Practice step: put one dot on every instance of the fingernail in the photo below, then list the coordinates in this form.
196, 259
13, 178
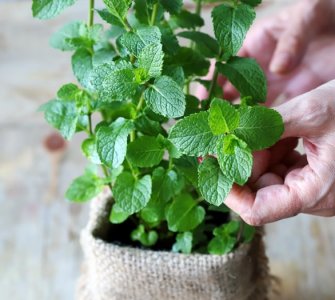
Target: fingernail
281, 63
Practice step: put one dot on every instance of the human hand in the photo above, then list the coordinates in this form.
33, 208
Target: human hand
285, 183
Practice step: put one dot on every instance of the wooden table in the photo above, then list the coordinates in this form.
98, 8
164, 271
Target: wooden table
39, 250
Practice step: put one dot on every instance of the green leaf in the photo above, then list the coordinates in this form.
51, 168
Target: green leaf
247, 76
165, 97
117, 215
84, 188
118, 8
252, 2
169, 40
63, 38
192, 105
148, 127
114, 81
235, 159
176, 73
82, 67
147, 239
172, 6
221, 245
248, 233
143, 36
223, 117
231, 24
188, 166
183, 243
184, 214
47, 9
62, 115
131, 194
260, 127
207, 46
186, 19
89, 148
145, 151
68, 92
151, 60
112, 142
142, 12
213, 185
192, 62
109, 18
165, 184
193, 136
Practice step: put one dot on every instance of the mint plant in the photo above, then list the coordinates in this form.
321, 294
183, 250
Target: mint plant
169, 159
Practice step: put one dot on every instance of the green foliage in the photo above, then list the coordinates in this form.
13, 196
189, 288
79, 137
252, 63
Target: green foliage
169, 159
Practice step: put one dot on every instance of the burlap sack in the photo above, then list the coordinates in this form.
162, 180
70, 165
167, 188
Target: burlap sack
113, 272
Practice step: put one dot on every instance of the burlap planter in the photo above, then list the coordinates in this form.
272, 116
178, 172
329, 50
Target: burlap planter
112, 272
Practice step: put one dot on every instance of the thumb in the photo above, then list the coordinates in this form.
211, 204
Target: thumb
290, 49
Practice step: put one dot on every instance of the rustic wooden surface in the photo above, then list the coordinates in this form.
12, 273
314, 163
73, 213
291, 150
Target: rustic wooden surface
39, 250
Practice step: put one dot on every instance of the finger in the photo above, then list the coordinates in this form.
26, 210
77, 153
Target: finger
280, 170
267, 179
290, 49
281, 149
260, 164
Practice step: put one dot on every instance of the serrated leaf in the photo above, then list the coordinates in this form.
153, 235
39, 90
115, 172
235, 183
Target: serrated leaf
193, 136
189, 20
183, 243
145, 151
260, 127
117, 215
131, 194
192, 62
231, 24
68, 92
188, 167
84, 188
165, 97
213, 185
184, 214
176, 73
172, 6
109, 18
165, 184
142, 12
235, 159
143, 36
145, 238
62, 115
151, 60
118, 8
103, 55
252, 2
192, 105
82, 67
112, 142
247, 76
114, 81
62, 39
47, 9
89, 149
148, 126
207, 46
223, 117
169, 40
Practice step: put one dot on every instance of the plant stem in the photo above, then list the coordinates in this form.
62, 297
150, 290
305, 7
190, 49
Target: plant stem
198, 7
140, 104
154, 14
105, 171
90, 124
91, 13
213, 84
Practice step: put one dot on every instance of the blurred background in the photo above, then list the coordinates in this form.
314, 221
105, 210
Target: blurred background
40, 254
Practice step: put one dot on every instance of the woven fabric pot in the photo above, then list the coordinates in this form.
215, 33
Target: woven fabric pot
113, 272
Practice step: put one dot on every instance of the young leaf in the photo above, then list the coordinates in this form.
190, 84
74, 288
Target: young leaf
143, 36
114, 81
223, 117
213, 185
183, 243
62, 115
186, 19
151, 60
165, 97
172, 6
112, 142
63, 38
260, 127
147, 239
68, 92
47, 9
82, 66
89, 148
118, 8
117, 215
184, 214
220, 245
132, 194
235, 159
206, 44
193, 136
145, 151
109, 18
84, 188
231, 24
248, 233
247, 76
